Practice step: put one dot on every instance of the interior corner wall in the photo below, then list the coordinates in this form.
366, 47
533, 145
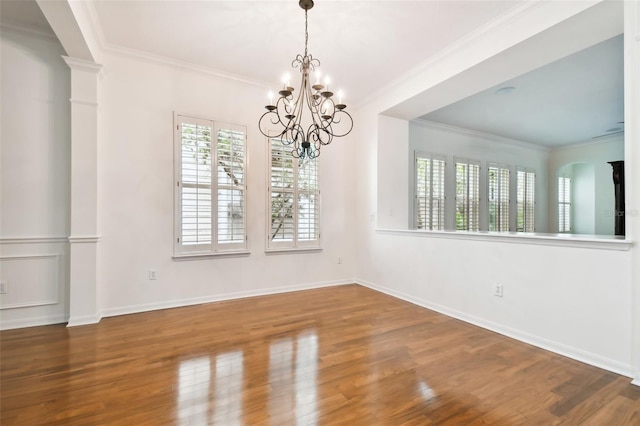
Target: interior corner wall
34, 179
136, 194
575, 301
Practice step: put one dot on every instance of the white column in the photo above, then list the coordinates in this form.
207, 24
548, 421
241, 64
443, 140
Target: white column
632, 165
83, 241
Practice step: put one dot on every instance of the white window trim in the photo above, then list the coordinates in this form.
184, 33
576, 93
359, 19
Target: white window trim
214, 249
295, 245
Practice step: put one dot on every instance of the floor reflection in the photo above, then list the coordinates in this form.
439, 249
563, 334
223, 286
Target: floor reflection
212, 395
228, 389
425, 391
194, 378
293, 365
306, 375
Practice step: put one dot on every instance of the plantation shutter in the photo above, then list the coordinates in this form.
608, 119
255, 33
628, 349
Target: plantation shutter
429, 197
467, 195
294, 199
282, 192
525, 189
196, 182
231, 185
210, 187
564, 204
437, 194
498, 197
308, 200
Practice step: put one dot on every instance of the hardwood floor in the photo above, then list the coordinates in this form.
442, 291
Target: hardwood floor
335, 356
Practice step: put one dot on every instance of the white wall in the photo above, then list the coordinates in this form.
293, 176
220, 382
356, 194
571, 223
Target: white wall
596, 155
583, 199
34, 179
577, 301
136, 184
454, 143
393, 142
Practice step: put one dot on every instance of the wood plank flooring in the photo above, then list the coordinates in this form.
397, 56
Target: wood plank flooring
335, 356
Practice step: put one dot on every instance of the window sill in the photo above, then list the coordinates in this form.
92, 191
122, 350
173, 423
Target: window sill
602, 242
197, 256
285, 250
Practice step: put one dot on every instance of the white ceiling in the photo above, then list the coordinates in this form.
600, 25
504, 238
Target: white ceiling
364, 46
571, 100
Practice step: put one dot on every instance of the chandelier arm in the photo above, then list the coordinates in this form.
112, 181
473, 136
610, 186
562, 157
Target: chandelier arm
317, 133
337, 119
272, 121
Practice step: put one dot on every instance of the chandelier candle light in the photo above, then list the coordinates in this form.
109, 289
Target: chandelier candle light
323, 118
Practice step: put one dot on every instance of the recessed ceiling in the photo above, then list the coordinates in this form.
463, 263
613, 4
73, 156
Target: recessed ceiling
572, 100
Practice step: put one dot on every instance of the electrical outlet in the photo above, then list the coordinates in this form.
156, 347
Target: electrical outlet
3, 287
498, 290
339, 260
152, 274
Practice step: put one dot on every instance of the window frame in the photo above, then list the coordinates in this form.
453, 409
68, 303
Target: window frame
214, 247
295, 244
429, 198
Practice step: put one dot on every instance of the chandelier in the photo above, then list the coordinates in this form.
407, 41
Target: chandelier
311, 119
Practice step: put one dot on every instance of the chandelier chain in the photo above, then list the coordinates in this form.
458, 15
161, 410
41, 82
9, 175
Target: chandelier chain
306, 32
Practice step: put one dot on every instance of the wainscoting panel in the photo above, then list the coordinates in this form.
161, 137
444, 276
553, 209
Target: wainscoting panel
34, 271
29, 280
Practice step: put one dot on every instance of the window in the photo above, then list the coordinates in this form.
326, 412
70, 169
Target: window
564, 204
294, 200
429, 208
498, 197
467, 195
526, 190
210, 186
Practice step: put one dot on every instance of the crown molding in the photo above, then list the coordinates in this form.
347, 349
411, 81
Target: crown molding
27, 30
178, 64
478, 134
594, 141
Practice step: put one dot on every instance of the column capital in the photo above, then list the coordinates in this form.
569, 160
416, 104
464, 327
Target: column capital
82, 65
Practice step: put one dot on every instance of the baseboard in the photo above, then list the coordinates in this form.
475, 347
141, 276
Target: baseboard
32, 322
133, 309
84, 320
636, 381
549, 345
